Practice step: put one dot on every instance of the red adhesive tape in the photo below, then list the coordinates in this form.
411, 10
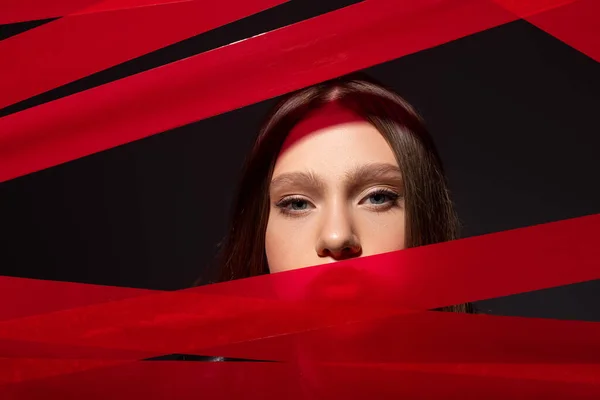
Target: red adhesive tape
385, 285
234, 76
77, 46
19, 370
575, 24
437, 338
15, 11
427, 381
189, 380
32, 296
574, 373
528, 8
12, 11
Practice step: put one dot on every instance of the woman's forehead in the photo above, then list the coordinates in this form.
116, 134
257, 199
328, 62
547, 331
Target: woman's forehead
328, 116
332, 141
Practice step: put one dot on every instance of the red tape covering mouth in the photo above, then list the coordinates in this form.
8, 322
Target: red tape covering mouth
260, 318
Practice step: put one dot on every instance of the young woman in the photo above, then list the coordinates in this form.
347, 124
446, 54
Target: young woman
341, 169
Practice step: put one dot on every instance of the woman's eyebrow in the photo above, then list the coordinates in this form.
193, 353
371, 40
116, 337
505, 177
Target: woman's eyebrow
307, 180
355, 178
369, 173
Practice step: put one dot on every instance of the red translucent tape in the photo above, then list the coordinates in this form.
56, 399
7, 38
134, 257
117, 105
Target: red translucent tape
234, 76
14, 11
259, 68
21, 294
573, 22
437, 342
77, 46
434, 338
190, 380
416, 279
576, 24
217, 318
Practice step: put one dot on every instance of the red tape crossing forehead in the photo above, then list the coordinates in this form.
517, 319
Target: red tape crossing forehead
328, 115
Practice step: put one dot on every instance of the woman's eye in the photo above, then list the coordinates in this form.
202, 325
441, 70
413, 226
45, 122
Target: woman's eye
294, 205
298, 205
379, 198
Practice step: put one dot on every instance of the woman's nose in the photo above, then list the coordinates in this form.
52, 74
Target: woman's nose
337, 238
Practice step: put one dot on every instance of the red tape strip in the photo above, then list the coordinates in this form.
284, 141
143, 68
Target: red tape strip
23, 295
12, 11
432, 338
233, 76
575, 24
440, 341
385, 285
15, 11
77, 46
188, 380
215, 82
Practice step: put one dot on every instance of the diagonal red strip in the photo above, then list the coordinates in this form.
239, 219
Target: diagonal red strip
15, 11
36, 350
453, 343
528, 8
116, 5
575, 24
12, 11
432, 338
233, 76
31, 296
77, 46
441, 382
385, 285
159, 380
582, 373
422, 278
17, 370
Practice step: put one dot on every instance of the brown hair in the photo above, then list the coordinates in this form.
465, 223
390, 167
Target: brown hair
430, 215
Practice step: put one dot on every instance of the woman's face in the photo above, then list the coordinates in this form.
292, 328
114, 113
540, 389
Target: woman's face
336, 193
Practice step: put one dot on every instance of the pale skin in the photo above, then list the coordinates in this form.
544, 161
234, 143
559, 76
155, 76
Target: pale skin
336, 193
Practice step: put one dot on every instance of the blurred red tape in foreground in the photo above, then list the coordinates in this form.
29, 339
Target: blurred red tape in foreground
193, 380
303, 314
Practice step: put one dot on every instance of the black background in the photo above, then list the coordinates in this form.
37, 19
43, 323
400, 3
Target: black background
512, 110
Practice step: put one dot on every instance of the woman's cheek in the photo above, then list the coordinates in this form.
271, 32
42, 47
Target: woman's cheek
382, 232
287, 244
